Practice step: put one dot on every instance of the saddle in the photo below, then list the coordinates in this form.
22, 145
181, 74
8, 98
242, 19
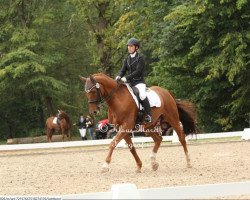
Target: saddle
165, 127
56, 120
153, 98
136, 93
154, 101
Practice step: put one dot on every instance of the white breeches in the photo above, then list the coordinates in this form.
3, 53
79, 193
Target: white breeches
142, 90
82, 132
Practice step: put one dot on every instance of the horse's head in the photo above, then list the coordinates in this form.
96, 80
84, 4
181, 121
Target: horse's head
99, 88
94, 93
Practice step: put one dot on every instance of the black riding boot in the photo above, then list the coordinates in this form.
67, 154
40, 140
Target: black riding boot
146, 106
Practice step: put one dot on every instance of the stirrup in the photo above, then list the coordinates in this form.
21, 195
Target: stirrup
148, 119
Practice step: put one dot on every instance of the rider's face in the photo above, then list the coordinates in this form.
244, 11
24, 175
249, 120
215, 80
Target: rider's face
131, 48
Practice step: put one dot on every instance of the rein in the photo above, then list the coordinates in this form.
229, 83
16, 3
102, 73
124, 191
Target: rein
100, 98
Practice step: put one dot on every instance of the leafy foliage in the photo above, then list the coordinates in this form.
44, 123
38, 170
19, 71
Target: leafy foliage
205, 57
197, 49
34, 79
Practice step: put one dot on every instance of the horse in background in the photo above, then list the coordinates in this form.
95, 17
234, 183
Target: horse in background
60, 122
122, 111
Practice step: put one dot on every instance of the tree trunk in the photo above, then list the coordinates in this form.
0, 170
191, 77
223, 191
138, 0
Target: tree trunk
105, 52
41, 114
49, 106
10, 133
21, 13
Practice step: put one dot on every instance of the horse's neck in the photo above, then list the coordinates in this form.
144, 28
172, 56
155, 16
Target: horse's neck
108, 83
120, 98
64, 116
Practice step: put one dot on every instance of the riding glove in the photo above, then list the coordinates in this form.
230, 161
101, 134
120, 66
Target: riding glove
123, 79
118, 78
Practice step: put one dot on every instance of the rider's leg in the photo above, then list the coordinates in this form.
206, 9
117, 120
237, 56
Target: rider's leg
145, 103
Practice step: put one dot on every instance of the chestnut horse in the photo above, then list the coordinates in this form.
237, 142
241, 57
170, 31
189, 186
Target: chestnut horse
122, 111
64, 125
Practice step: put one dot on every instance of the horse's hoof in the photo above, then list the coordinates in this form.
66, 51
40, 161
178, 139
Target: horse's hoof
105, 169
155, 165
189, 165
138, 171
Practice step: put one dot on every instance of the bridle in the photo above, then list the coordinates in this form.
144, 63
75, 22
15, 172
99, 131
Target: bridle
100, 98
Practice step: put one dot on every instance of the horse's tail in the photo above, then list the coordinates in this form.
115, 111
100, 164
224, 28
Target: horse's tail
187, 116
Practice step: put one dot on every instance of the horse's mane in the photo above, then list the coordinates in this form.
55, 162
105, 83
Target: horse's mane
102, 75
104, 79
64, 115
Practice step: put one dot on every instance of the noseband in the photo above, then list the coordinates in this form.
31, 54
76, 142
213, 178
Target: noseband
100, 97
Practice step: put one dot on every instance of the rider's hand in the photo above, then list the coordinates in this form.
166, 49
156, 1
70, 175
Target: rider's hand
123, 79
118, 78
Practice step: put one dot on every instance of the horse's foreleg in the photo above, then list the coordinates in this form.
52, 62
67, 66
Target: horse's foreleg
157, 140
119, 136
63, 134
134, 153
49, 134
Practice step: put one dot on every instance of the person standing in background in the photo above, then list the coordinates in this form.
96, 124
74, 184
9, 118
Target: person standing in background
90, 126
82, 127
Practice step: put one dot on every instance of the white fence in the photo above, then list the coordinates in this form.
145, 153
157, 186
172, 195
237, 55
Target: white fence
245, 135
130, 191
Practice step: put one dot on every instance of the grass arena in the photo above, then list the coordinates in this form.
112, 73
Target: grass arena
77, 170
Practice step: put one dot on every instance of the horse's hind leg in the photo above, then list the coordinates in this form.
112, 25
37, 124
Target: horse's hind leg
157, 140
178, 129
49, 134
134, 153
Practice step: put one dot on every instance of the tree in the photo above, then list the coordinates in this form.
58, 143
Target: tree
34, 50
204, 55
100, 17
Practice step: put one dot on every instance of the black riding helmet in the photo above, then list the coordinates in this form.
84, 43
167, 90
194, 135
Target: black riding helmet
133, 41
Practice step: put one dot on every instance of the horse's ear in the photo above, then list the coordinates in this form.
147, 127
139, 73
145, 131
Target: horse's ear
83, 79
92, 79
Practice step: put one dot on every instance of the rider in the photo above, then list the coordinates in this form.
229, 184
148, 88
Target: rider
134, 64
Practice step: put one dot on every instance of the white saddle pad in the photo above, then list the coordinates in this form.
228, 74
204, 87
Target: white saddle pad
55, 120
153, 98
